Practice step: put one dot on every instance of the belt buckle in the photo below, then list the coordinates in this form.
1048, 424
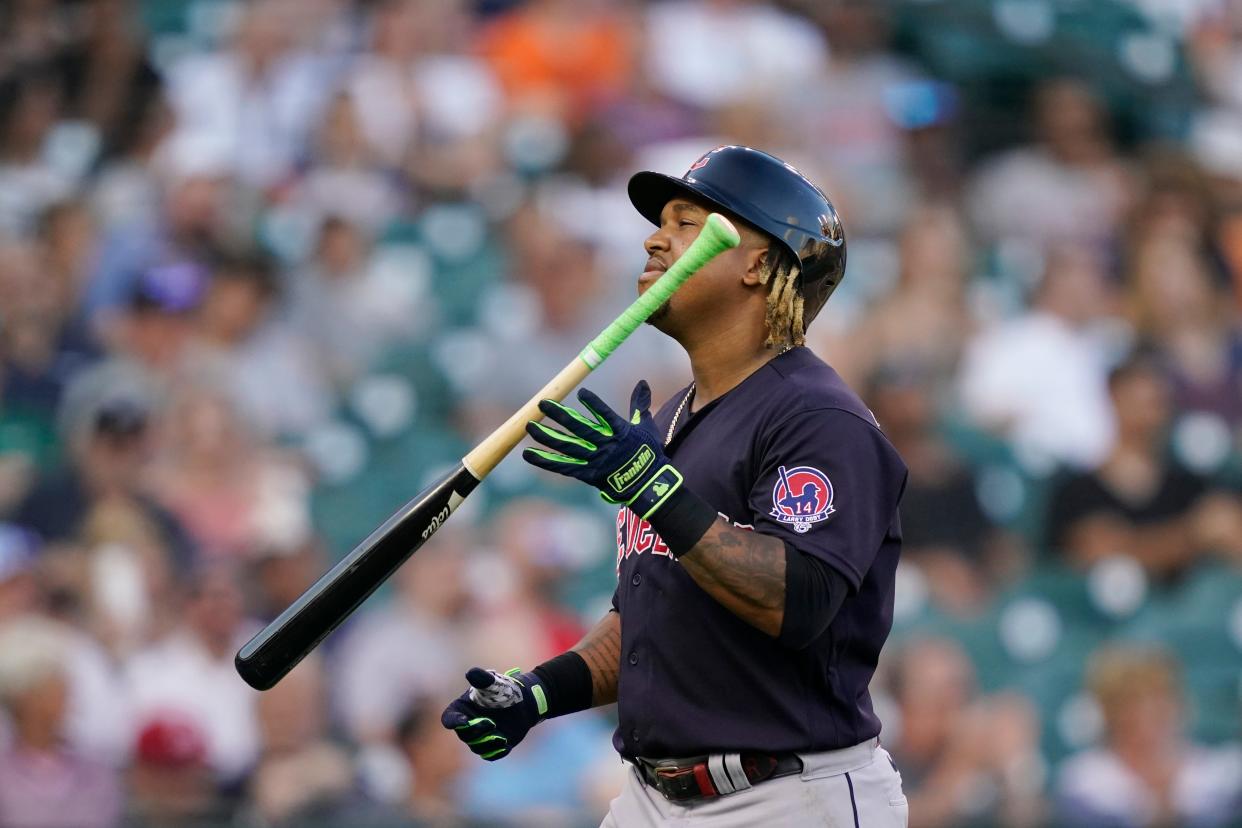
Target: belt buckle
681, 780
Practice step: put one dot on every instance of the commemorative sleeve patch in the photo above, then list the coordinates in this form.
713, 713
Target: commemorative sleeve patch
801, 497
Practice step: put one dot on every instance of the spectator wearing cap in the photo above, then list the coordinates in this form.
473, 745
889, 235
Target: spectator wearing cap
1139, 502
190, 223
147, 336
109, 412
158, 322
42, 783
109, 449
1146, 772
170, 782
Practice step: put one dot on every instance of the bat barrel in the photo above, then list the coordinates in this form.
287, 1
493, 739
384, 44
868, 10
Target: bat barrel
278, 647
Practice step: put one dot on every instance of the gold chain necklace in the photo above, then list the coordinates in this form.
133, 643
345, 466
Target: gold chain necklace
677, 415
668, 438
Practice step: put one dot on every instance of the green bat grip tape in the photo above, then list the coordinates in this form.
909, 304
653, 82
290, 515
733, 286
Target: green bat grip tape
717, 236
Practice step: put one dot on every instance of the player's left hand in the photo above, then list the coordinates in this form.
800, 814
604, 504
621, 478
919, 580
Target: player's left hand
622, 458
496, 712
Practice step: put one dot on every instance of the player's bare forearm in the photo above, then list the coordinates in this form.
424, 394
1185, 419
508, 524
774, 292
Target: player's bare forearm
744, 571
601, 650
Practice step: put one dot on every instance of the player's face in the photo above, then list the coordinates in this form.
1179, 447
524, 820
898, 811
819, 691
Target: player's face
718, 281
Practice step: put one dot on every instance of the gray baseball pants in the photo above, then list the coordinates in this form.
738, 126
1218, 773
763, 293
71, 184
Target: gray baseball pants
857, 787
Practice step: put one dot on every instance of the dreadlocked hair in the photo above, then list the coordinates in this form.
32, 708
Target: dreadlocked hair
779, 271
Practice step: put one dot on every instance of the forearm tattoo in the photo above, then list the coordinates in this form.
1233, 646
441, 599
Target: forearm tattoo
744, 571
601, 650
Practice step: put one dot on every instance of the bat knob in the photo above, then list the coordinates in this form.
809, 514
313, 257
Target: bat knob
479, 678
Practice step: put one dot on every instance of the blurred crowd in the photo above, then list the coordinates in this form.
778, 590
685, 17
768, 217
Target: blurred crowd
267, 267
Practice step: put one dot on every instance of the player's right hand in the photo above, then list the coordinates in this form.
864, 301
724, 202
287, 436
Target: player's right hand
496, 712
622, 458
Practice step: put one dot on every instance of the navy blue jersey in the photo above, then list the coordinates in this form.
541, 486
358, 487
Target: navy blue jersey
790, 452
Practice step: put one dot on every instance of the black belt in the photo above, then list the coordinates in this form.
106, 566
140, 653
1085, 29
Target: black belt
702, 777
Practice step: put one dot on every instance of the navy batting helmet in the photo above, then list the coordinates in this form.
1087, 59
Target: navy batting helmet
768, 193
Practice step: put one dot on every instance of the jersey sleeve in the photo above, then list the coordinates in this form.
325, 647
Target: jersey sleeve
828, 485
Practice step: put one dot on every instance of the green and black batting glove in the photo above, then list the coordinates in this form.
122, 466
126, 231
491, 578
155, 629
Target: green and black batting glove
497, 711
622, 458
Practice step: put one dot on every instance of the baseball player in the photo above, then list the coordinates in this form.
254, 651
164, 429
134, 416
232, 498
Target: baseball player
757, 537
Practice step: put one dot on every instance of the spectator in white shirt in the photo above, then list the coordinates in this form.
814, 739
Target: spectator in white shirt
709, 53
256, 101
190, 673
1041, 380
418, 78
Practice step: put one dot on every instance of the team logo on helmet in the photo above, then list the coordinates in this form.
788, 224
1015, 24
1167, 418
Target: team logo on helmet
704, 158
802, 497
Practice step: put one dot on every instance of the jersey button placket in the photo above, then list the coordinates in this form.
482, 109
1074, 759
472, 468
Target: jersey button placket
637, 579
633, 658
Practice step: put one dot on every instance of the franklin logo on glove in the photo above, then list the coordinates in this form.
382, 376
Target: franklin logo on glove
639, 464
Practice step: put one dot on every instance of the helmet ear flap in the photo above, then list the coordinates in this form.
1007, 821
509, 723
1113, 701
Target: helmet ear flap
823, 265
